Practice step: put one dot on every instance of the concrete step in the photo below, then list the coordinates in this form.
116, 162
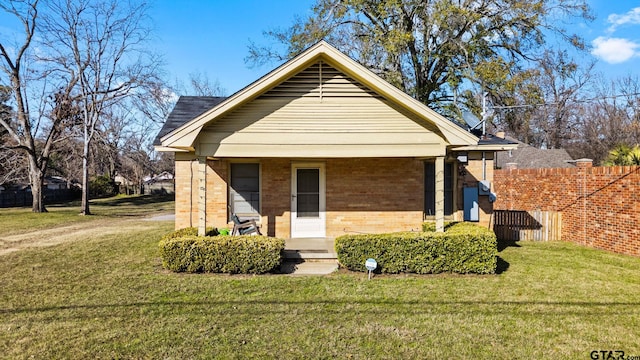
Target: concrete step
308, 254
308, 267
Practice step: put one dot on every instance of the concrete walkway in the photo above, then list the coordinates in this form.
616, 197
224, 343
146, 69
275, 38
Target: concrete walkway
292, 267
166, 217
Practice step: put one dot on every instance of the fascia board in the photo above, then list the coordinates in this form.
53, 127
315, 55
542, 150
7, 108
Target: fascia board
160, 148
488, 147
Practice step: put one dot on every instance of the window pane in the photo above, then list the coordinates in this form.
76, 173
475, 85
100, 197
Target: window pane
308, 205
430, 188
308, 180
245, 189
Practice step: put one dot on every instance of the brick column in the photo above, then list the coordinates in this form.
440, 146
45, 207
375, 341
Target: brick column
202, 195
584, 163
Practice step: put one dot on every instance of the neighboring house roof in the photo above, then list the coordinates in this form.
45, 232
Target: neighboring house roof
163, 176
226, 135
528, 157
55, 180
187, 108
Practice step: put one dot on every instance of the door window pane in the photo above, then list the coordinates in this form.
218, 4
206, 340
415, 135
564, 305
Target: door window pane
308, 192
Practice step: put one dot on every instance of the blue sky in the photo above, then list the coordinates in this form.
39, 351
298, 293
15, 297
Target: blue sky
212, 37
614, 36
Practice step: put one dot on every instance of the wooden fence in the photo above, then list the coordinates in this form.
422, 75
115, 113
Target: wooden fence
9, 198
533, 225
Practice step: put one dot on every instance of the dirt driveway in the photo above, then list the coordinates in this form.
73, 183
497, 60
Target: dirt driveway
75, 232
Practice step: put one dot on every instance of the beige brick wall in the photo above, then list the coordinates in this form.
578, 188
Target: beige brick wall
374, 195
275, 197
186, 190
362, 195
217, 193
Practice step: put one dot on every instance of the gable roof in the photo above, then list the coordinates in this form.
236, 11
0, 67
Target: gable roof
183, 137
529, 157
186, 108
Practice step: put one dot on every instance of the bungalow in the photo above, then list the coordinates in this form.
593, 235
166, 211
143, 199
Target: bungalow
321, 146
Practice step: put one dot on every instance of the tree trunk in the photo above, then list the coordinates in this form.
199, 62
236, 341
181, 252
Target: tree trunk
84, 206
36, 178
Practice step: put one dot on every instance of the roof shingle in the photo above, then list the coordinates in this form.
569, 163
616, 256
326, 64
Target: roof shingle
529, 157
187, 108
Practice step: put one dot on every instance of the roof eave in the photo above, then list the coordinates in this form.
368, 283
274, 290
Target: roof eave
487, 147
160, 148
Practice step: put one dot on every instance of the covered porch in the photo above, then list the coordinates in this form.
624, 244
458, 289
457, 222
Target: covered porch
323, 198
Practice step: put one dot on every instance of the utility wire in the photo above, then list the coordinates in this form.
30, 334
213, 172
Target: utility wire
569, 101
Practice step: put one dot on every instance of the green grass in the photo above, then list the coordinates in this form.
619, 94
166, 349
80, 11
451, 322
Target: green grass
19, 220
108, 297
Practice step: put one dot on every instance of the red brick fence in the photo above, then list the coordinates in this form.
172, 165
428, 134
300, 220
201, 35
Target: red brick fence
593, 206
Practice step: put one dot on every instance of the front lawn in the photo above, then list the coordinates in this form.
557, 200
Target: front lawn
20, 220
108, 297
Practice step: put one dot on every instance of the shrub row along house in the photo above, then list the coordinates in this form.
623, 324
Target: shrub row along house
320, 147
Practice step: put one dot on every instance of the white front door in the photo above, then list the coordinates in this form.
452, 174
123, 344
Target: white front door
308, 217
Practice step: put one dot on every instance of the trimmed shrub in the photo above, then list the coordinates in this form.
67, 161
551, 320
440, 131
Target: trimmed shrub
221, 254
430, 226
189, 231
463, 248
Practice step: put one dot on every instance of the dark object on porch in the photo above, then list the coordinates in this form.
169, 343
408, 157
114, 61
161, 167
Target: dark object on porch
244, 227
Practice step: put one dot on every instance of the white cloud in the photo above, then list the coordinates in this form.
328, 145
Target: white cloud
631, 17
614, 50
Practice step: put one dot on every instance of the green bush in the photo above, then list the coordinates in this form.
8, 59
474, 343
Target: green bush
221, 254
462, 248
189, 231
102, 186
430, 226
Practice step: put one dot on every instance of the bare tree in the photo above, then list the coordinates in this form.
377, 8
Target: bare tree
561, 81
135, 161
543, 109
34, 135
610, 120
101, 44
155, 104
202, 85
